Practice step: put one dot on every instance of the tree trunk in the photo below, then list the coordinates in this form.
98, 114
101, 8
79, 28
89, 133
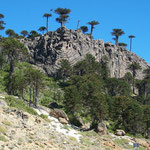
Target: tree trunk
61, 24
11, 71
22, 97
36, 95
30, 94
130, 44
47, 24
33, 97
91, 30
117, 40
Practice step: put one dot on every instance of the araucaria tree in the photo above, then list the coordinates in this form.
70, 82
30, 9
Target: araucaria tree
24, 33
10, 33
131, 37
117, 33
84, 29
2, 23
93, 23
65, 70
27, 81
42, 29
63, 15
47, 15
33, 34
35, 81
134, 67
12, 49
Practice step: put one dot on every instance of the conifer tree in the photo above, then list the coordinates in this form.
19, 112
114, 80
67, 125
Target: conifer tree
47, 15
93, 23
63, 15
117, 33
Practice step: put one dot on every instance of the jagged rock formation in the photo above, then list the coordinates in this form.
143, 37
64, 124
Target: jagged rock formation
48, 50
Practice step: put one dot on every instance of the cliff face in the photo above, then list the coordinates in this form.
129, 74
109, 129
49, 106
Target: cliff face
48, 50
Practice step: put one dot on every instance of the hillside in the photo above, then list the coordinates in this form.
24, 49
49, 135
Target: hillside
20, 130
47, 51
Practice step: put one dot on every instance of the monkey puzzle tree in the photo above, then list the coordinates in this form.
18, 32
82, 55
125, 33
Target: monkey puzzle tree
35, 81
131, 37
122, 44
33, 34
93, 23
134, 67
24, 33
42, 29
12, 49
63, 15
47, 15
65, 70
10, 33
117, 33
84, 29
2, 23
85, 96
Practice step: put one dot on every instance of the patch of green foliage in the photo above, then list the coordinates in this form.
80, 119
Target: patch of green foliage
45, 117
19, 104
2, 138
3, 75
2, 130
52, 93
6, 122
121, 142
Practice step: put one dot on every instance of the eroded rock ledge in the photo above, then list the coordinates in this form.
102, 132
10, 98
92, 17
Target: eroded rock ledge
48, 50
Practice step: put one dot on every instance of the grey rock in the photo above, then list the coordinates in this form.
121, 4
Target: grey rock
62, 120
47, 51
120, 132
57, 113
101, 128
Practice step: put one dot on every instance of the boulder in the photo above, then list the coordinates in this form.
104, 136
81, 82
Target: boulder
53, 105
57, 113
120, 132
101, 129
62, 120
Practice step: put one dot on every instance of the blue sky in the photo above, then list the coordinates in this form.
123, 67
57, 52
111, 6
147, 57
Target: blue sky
132, 16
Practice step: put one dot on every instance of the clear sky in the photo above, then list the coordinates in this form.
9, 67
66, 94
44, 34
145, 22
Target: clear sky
132, 16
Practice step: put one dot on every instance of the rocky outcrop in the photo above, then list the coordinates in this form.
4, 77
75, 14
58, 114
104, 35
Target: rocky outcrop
59, 114
46, 52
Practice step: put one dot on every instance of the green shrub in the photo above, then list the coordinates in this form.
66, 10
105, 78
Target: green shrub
19, 104
3, 78
43, 116
45, 101
2, 130
6, 122
2, 138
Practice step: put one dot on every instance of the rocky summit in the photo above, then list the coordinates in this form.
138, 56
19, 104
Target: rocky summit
48, 50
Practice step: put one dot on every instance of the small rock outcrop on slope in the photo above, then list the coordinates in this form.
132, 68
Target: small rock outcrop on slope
48, 50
